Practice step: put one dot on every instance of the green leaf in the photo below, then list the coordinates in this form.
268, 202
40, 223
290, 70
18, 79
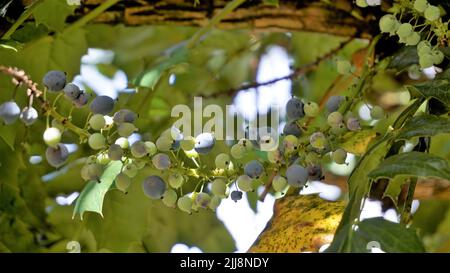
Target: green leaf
29, 32
11, 45
404, 58
91, 198
414, 164
61, 52
429, 215
357, 142
438, 89
392, 237
150, 77
53, 13
359, 185
424, 125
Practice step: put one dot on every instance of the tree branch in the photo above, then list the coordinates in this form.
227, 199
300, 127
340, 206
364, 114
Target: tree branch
295, 74
341, 17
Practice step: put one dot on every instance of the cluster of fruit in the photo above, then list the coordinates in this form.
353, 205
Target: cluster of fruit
295, 161
414, 35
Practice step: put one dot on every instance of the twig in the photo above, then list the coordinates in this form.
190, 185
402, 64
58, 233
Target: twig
296, 73
406, 213
21, 78
268, 186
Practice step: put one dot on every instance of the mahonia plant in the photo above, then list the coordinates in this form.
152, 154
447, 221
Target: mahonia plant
297, 160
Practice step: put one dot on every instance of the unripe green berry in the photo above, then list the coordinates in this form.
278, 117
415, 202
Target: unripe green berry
432, 13
311, 109
176, 180
339, 156
279, 183
96, 141
361, 3
97, 122
219, 187
405, 30
420, 5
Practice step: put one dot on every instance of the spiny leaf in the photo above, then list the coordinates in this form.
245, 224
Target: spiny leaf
391, 237
414, 164
357, 142
91, 198
424, 125
299, 224
405, 57
438, 89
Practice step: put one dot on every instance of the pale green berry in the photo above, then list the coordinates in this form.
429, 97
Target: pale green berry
219, 187
279, 183
130, 170
123, 182
97, 122
170, 198
126, 129
223, 161
97, 141
237, 151
420, 5
311, 109
339, 156
432, 13
185, 204
176, 180
244, 183
150, 148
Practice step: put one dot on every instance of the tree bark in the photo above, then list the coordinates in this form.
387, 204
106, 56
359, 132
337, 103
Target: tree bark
341, 17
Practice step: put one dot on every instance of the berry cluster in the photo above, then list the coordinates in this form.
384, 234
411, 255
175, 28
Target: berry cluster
427, 21
296, 160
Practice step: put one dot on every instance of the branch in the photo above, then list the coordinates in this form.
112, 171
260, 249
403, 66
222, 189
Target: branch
21, 78
267, 187
338, 18
295, 74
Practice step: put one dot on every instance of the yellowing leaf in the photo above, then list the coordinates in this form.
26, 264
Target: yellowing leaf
358, 142
300, 224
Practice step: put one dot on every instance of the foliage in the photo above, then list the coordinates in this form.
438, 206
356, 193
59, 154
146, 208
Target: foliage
332, 78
